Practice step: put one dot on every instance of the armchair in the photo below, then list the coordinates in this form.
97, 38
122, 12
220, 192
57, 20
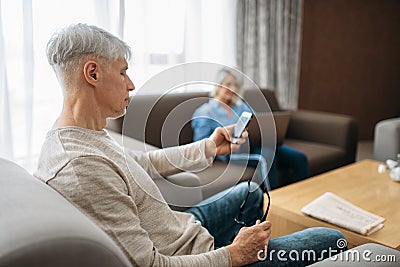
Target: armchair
387, 139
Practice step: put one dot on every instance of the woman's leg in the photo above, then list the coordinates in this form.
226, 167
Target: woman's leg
217, 213
269, 156
291, 158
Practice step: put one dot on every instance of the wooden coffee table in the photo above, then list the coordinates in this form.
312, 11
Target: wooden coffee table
359, 183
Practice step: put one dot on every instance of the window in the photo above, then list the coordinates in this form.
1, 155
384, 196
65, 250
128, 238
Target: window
162, 33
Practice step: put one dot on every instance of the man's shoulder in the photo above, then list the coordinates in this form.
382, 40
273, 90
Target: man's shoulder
64, 146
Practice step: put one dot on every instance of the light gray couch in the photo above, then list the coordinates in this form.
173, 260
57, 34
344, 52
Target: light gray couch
369, 254
39, 228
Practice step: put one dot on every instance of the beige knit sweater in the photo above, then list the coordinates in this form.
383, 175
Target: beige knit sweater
115, 189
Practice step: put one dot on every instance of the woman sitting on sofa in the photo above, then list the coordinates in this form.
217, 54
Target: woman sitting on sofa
224, 108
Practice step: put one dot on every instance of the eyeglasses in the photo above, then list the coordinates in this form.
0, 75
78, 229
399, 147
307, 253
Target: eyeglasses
238, 219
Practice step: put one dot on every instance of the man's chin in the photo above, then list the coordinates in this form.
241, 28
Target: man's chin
119, 114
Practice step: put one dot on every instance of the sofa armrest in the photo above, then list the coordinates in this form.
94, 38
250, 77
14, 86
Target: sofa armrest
363, 255
326, 128
39, 227
181, 191
387, 139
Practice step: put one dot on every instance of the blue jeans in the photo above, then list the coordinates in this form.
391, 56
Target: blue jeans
285, 158
218, 212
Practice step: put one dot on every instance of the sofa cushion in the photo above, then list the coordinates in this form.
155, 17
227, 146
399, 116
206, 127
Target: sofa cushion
320, 157
41, 228
221, 176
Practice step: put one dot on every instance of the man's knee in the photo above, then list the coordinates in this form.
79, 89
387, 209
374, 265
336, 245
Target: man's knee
256, 192
328, 236
242, 187
253, 207
334, 237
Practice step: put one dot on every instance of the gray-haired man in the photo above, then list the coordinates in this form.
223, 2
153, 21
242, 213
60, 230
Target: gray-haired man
84, 164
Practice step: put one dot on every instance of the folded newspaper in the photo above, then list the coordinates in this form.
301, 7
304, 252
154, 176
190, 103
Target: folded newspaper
333, 209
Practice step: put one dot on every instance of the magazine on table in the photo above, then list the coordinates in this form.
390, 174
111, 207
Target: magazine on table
334, 209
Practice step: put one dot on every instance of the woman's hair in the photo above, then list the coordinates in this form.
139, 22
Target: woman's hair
67, 47
221, 75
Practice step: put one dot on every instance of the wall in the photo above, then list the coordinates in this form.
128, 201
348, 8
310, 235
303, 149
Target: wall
350, 59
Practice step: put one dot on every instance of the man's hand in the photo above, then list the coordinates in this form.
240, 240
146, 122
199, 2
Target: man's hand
248, 242
222, 141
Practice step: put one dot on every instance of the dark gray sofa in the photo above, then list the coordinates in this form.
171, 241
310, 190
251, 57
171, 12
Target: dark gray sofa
161, 129
328, 140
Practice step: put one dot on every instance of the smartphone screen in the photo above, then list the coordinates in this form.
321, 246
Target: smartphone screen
241, 125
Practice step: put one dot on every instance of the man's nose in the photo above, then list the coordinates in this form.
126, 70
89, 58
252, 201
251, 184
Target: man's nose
131, 88
130, 85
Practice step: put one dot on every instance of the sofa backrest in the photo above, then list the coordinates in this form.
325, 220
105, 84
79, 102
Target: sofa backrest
253, 98
164, 120
38, 227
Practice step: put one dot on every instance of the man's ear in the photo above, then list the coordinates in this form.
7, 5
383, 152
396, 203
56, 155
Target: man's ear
91, 72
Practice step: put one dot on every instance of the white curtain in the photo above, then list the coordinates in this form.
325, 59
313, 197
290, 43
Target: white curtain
30, 97
6, 147
162, 33
29, 70
268, 45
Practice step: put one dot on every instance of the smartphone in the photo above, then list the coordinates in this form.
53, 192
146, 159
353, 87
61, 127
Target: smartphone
241, 126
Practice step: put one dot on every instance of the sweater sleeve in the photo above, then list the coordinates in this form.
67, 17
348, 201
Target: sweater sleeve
99, 190
168, 161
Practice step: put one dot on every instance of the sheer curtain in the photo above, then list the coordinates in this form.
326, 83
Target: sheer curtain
6, 147
268, 45
162, 33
